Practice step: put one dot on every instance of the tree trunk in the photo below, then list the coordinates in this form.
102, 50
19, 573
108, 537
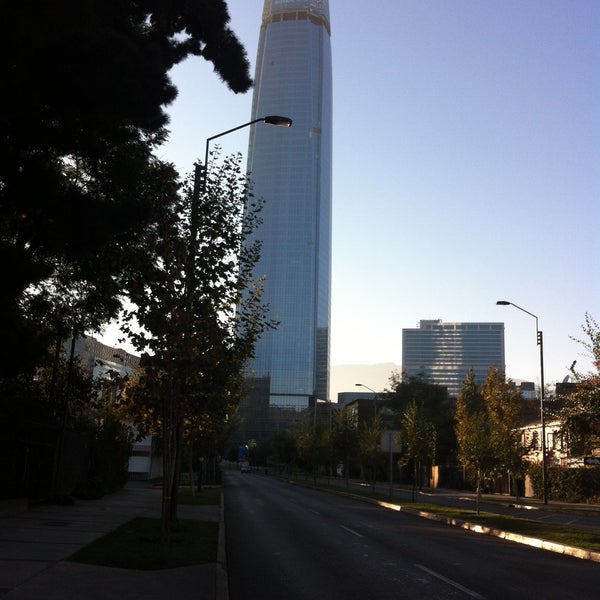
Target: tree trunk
165, 522
177, 460
478, 491
191, 467
169, 443
515, 486
373, 476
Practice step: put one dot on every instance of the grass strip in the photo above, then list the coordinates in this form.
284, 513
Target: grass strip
205, 497
137, 545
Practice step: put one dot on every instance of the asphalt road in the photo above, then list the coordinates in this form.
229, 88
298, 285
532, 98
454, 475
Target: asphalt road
288, 542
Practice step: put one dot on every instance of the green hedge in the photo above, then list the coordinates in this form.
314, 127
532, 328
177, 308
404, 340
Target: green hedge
568, 485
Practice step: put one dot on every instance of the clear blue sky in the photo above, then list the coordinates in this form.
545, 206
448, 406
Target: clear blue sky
466, 168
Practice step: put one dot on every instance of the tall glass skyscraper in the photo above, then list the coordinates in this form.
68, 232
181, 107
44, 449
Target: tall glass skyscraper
291, 170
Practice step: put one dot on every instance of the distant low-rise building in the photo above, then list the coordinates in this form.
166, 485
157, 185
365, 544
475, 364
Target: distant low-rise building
556, 448
345, 398
103, 362
559, 453
527, 390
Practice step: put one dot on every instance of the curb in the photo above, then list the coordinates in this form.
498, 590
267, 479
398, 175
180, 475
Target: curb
221, 582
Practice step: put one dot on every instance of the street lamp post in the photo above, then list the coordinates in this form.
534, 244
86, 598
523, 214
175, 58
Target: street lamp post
200, 183
390, 434
374, 397
269, 120
540, 343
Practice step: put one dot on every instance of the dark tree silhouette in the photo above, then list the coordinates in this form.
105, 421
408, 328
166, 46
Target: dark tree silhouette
84, 88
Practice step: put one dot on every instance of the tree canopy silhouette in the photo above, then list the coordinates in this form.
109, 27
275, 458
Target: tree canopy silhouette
85, 86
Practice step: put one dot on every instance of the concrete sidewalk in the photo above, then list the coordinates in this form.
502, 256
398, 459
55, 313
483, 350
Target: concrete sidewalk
35, 543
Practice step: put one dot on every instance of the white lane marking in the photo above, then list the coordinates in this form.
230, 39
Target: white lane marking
462, 588
352, 531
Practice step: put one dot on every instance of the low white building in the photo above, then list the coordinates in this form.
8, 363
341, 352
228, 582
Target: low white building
104, 362
556, 448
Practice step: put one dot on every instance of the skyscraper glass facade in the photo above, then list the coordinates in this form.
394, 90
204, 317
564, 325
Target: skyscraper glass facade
444, 353
291, 171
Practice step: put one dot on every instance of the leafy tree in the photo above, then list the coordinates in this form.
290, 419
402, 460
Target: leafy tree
579, 412
487, 428
205, 436
369, 448
85, 86
60, 434
69, 302
435, 404
418, 436
109, 443
345, 440
473, 434
313, 447
194, 342
504, 407
280, 451
89, 408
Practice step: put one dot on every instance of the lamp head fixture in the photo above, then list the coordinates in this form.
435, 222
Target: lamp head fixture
503, 302
277, 120
366, 387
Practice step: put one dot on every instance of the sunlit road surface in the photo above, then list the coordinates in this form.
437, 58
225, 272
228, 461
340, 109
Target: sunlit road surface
288, 542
